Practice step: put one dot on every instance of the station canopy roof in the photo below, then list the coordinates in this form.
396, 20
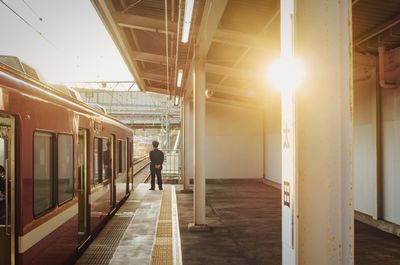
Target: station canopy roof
238, 38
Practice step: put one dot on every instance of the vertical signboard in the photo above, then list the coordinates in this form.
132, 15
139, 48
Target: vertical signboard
289, 203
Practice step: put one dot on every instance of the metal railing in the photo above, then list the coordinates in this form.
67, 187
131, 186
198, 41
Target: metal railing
172, 163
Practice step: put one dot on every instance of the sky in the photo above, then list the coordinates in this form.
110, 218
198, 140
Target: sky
78, 47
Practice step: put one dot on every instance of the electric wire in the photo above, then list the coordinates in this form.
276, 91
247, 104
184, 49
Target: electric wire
32, 10
166, 45
29, 24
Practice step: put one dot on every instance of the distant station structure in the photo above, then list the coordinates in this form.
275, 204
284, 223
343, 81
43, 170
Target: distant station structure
137, 109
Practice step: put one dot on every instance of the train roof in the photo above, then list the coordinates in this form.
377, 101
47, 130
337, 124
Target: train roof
14, 72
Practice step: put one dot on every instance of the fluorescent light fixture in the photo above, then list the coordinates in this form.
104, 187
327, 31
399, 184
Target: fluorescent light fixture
187, 20
179, 80
176, 103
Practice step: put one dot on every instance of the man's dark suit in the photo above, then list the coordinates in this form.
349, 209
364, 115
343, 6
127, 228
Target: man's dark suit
157, 159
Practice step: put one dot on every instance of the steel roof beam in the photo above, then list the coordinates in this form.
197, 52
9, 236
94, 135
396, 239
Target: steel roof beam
256, 41
212, 14
227, 71
238, 91
234, 38
232, 102
143, 23
106, 11
158, 90
154, 77
378, 30
150, 57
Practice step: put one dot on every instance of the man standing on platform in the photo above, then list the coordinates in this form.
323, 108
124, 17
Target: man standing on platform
156, 161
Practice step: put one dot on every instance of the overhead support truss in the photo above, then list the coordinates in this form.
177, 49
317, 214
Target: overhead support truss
150, 57
143, 23
378, 30
235, 38
107, 12
149, 38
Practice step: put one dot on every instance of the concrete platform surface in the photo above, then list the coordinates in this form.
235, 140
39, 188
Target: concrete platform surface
246, 229
129, 236
245, 221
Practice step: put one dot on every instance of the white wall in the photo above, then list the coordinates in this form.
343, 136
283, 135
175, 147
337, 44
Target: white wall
273, 154
365, 161
391, 140
391, 155
364, 150
233, 142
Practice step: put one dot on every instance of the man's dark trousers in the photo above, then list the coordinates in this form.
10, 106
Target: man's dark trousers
155, 172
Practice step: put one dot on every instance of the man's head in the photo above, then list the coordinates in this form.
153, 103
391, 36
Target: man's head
155, 144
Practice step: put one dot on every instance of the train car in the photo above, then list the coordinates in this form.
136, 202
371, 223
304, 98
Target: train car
65, 168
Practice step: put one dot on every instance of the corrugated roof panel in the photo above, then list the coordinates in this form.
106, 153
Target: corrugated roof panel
248, 16
368, 14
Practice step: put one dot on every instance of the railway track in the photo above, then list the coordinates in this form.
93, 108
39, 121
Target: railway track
139, 159
140, 175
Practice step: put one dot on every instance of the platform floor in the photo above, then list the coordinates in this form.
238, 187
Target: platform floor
373, 246
246, 227
129, 235
141, 232
246, 230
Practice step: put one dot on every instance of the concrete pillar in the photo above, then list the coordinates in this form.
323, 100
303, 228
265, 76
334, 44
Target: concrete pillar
187, 144
199, 101
321, 195
289, 147
376, 149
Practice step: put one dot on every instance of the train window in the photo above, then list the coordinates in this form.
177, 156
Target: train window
65, 168
121, 156
131, 160
43, 172
124, 156
106, 158
98, 161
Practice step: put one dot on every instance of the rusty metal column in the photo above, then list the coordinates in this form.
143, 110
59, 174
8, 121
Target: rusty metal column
323, 111
199, 101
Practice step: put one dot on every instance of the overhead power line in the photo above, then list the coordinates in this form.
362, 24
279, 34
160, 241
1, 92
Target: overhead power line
33, 11
28, 24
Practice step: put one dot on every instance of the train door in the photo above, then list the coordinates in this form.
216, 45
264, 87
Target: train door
127, 164
7, 190
113, 173
132, 164
82, 185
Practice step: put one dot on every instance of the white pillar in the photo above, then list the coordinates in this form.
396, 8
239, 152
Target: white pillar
323, 175
289, 147
199, 101
376, 149
187, 145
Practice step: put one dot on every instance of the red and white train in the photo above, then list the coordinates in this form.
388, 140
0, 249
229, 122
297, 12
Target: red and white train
68, 167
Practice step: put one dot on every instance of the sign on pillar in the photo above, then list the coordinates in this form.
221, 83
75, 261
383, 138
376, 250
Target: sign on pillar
324, 225
289, 203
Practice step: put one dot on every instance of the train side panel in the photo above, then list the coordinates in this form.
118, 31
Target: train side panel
51, 237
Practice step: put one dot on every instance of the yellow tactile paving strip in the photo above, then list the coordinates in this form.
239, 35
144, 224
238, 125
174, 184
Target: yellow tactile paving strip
163, 244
